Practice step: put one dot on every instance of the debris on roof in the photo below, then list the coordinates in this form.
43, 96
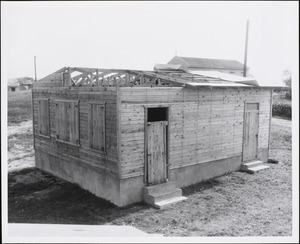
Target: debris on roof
227, 77
168, 67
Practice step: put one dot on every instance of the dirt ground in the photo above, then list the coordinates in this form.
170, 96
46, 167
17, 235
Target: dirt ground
20, 146
237, 204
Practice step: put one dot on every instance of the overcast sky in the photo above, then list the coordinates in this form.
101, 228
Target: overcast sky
136, 35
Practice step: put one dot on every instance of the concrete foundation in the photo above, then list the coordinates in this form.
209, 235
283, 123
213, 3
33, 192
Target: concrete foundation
127, 191
132, 190
190, 175
102, 185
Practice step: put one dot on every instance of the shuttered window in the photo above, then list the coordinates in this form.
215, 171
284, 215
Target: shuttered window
43, 117
96, 120
67, 121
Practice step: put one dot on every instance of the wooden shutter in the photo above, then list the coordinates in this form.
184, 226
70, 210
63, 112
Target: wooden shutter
97, 126
67, 121
43, 117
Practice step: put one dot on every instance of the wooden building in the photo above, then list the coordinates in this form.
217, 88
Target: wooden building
19, 84
129, 136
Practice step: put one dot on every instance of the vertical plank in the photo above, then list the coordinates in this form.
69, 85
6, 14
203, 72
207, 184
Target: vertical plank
164, 152
256, 114
270, 119
73, 123
76, 125
149, 152
119, 133
90, 125
103, 119
65, 125
47, 132
33, 118
146, 143
97, 77
40, 117
95, 127
96, 123
157, 152
168, 146
67, 79
44, 119
251, 135
246, 137
57, 107
251, 129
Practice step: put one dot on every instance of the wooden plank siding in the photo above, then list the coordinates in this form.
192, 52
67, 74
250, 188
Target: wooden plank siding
205, 125
106, 162
43, 117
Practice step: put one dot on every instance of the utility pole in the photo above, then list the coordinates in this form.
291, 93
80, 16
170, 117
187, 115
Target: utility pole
35, 69
246, 47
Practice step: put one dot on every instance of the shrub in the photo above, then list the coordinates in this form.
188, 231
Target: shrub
282, 110
288, 95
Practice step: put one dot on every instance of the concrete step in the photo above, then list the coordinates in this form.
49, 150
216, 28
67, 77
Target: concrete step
160, 188
164, 196
253, 170
165, 203
251, 164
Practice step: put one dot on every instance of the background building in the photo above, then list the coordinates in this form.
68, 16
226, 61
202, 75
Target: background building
204, 64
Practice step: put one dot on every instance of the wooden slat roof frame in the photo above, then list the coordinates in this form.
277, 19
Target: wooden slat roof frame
129, 78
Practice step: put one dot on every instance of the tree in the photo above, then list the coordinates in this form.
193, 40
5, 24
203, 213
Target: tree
287, 77
287, 80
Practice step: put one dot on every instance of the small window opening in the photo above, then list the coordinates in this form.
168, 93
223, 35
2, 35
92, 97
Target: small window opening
157, 114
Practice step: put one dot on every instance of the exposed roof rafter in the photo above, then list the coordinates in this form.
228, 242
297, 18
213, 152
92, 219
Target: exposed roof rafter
123, 77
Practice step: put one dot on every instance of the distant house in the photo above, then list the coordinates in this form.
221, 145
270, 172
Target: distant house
26, 83
204, 64
12, 88
20, 84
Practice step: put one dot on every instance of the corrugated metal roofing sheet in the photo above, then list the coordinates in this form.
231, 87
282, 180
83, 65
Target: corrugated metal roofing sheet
196, 84
227, 77
168, 67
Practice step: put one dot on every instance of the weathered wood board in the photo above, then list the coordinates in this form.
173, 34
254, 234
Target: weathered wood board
251, 129
75, 117
156, 152
204, 125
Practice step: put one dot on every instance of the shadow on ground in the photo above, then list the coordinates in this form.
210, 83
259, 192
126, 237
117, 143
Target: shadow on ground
35, 196
200, 187
38, 197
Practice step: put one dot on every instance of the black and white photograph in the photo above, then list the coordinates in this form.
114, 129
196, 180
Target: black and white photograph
150, 121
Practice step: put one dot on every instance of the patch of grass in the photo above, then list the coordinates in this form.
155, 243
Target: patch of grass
24, 141
279, 99
19, 107
282, 110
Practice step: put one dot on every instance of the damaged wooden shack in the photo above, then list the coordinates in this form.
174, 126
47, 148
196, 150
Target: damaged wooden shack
129, 136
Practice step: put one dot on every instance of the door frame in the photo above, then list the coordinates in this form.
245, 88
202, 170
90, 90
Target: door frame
244, 124
146, 139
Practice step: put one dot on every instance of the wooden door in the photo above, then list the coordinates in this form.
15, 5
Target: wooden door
156, 152
250, 139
